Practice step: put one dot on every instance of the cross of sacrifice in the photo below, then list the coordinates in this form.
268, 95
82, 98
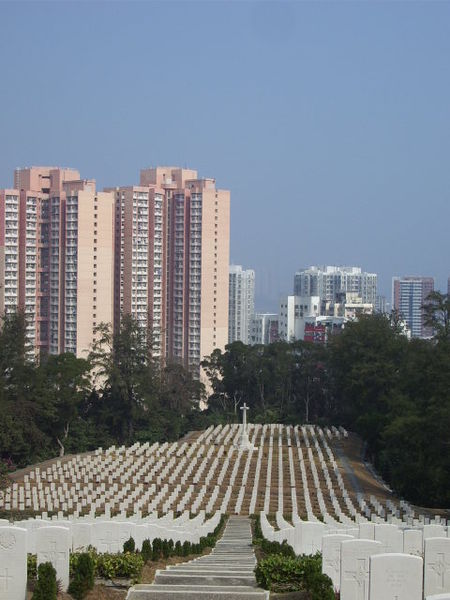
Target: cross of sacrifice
244, 409
53, 555
4, 580
441, 567
360, 575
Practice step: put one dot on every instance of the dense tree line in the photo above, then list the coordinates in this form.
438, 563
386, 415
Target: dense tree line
392, 391
63, 404
370, 378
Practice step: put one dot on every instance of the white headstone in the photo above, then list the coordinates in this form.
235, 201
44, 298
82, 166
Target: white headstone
396, 577
331, 557
413, 542
437, 566
355, 568
366, 531
13, 563
52, 545
308, 537
81, 536
390, 536
107, 536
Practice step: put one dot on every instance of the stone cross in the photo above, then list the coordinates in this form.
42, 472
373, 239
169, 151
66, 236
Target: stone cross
440, 568
53, 555
244, 408
360, 576
109, 540
335, 561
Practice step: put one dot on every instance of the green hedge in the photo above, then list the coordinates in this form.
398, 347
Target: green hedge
279, 573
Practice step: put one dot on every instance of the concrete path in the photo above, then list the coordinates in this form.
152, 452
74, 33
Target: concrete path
225, 574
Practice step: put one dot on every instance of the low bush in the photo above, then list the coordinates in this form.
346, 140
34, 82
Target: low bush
157, 549
279, 573
109, 566
129, 545
46, 587
31, 567
119, 565
83, 576
146, 550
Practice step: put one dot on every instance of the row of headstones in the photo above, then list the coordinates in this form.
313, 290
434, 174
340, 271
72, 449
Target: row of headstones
53, 541
346, 557
66, 499
162, 463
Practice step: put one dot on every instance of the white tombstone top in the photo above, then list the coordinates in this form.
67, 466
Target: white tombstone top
355, 568
52, 545
395, 576
437, 566
13, 563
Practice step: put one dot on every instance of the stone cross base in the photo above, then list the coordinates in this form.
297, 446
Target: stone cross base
244, 443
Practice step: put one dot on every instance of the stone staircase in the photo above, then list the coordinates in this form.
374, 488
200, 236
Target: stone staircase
225, 574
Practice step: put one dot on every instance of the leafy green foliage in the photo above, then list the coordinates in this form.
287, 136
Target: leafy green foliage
279, 573
31, 567
109, 566
83, 576
129, 545
54, 406
46, 587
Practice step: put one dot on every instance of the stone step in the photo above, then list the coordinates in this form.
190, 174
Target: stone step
211, 572
174, 578
182, 592
213, 569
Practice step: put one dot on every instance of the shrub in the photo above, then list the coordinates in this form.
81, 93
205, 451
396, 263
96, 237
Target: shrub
83, 576
280, 573
129, 545
178, 550
165, 549
120, 565
146, 550
186, 548
109, 566
31, 566
46, 587
316, 583
157, 547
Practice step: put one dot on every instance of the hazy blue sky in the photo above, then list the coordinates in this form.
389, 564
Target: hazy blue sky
329, 122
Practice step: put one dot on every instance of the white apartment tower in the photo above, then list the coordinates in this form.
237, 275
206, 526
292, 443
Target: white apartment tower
241, 305
328, 282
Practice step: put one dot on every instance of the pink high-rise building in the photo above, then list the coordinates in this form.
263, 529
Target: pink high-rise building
56, 260
72, 257
171, 253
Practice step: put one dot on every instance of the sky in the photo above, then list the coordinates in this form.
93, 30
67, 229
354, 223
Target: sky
329, 122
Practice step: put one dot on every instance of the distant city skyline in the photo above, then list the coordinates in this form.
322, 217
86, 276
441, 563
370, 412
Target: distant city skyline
329, 122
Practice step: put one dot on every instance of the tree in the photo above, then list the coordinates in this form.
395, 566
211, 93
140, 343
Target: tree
122, 362
437, 315
66, 383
